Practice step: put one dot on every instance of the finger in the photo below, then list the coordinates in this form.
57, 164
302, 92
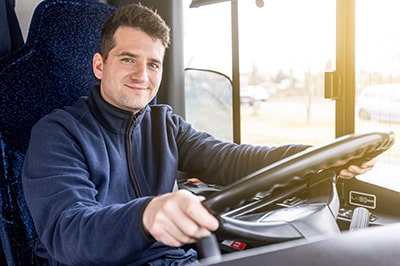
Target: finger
202, 216
352, 171
174, 240
170, 239
192, 207
201, 198
345, 174
164, 230
369, 164
186, 229
358, 170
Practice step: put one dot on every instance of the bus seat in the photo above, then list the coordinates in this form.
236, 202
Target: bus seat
11, 35
52, 69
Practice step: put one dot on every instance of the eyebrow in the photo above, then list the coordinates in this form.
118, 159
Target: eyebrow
122, 54
129, 54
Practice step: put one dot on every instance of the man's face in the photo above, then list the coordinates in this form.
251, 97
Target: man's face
131, 75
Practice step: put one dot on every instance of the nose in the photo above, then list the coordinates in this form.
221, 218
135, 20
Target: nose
139, 72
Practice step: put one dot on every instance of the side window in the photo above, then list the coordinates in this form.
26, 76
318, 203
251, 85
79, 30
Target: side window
283, 54
377, 60
208, 102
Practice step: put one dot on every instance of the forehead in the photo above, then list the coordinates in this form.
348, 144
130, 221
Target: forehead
135, 37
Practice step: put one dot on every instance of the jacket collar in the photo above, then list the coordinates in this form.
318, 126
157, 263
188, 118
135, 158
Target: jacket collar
111, 117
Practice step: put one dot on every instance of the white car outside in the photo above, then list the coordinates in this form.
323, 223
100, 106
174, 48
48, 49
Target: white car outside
380, 102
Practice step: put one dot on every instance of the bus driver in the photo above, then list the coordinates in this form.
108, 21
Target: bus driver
99, 175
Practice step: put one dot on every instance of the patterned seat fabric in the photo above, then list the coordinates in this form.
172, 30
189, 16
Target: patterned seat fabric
52, 69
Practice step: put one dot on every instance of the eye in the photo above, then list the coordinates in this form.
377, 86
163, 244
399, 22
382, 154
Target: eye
154, 65
127, 60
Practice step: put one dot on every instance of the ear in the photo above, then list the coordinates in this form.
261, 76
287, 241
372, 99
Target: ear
98, 66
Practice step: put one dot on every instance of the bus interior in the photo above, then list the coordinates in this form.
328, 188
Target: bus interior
264, 72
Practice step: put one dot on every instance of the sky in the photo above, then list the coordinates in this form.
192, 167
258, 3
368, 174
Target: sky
292, 34
281, 34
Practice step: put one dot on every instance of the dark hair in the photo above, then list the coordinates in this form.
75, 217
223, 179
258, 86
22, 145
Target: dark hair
137, 16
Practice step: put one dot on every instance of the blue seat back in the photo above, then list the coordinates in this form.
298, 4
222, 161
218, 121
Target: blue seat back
52, 69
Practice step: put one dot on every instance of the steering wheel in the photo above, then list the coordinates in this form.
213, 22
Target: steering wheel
317, 163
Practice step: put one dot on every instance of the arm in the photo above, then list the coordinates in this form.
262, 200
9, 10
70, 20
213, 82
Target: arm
218, 162
178, 218
73, 218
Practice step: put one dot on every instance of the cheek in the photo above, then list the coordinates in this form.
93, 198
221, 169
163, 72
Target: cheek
112, 76
156, 79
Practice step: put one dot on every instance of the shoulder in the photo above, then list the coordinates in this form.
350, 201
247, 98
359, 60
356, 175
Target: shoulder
63, 117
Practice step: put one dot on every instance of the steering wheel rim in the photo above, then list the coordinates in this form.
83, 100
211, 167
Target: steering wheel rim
363, 146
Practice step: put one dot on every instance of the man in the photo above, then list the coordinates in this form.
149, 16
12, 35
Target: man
98, 176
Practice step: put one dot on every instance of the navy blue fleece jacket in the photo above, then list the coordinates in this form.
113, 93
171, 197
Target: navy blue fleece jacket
91, 169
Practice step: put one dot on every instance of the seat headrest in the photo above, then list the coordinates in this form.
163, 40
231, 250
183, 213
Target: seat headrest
53, 68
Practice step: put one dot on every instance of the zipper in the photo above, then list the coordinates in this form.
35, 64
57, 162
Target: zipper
128, 145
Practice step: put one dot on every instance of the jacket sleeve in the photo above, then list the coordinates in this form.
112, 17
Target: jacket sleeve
72, 224
219, 162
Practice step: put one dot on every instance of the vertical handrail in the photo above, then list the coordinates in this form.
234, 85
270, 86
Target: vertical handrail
235, 72
345, 66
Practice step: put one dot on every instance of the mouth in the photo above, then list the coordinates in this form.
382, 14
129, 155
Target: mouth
135, 87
